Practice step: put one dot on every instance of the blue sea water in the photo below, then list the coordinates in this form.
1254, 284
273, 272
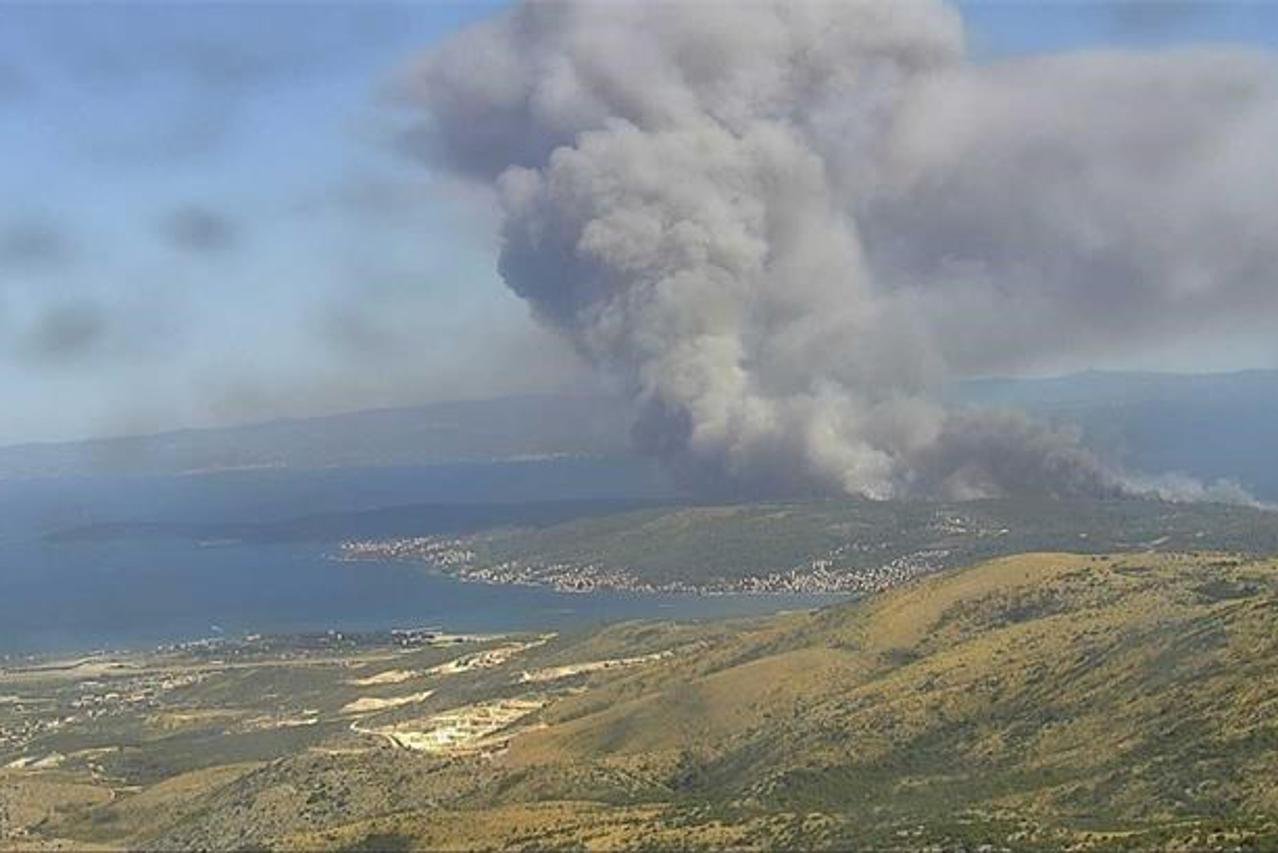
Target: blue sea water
139, 591
137, 594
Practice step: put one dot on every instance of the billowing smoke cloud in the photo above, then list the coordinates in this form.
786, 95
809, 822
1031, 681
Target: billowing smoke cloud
781, 225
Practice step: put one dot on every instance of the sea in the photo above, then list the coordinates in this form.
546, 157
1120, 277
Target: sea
114, 563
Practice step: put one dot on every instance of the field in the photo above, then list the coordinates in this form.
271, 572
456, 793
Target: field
1030, 702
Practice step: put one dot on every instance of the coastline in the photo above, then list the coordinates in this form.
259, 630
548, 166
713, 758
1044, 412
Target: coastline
458, 560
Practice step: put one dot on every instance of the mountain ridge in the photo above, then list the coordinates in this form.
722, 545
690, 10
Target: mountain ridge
1209, 426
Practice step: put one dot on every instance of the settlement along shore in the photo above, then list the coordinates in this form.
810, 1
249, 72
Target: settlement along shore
823, 575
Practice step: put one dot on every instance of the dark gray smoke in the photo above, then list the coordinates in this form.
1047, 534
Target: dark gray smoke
782, 225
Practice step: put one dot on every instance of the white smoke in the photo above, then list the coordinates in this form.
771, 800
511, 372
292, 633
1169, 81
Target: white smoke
781, 225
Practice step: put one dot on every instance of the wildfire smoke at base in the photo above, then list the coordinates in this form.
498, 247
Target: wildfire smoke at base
781, 226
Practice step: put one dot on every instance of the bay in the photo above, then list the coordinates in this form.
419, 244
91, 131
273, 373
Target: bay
130, 594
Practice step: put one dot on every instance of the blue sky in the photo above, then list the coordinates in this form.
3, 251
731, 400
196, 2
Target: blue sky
205, 217
1015, 27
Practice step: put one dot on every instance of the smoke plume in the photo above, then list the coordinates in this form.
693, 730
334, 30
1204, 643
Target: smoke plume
782, 225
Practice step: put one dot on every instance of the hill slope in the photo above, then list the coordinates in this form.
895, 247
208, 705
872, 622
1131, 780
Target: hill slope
818, 546
1050, 695
1032, 702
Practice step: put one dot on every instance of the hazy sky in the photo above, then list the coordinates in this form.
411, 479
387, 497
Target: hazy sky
207, 214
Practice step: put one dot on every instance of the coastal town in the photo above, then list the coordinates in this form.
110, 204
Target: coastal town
828, 574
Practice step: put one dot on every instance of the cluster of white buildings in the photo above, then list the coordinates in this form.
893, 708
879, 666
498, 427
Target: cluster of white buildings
825, 574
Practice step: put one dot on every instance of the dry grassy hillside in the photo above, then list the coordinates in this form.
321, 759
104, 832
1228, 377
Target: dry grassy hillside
1077, 695
1031, 702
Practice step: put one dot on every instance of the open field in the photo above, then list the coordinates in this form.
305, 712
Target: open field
1031, 702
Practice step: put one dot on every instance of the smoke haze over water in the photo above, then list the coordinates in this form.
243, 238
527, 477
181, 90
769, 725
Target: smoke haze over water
780, 227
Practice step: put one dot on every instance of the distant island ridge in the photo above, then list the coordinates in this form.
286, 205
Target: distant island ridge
1210, 426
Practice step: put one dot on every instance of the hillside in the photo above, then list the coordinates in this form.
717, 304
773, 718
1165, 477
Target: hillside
815, 546
1031, 702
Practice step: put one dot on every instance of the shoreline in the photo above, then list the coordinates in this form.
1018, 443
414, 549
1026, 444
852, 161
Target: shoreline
93, 654
454, 559
104, 661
